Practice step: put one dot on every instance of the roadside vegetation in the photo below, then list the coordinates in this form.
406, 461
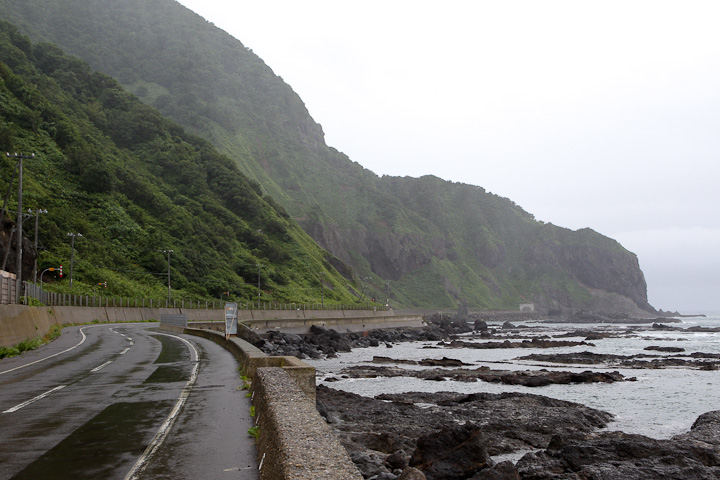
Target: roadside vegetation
30, 343
150, 200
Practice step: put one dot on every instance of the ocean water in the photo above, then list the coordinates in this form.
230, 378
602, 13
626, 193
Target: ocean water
661, 403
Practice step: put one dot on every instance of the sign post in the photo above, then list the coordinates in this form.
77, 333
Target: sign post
231, 319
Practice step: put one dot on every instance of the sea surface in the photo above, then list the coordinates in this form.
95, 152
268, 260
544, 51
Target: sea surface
661, 403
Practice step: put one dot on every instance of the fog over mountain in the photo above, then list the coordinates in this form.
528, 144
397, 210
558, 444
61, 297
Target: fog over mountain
587, 115
555, 115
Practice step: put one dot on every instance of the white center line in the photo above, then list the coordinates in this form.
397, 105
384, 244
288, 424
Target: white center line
101, 366
125, 351
39, 397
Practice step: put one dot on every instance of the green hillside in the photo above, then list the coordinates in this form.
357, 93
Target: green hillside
133, 184
423, 242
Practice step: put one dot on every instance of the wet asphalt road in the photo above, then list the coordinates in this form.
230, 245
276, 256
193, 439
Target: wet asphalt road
126, 401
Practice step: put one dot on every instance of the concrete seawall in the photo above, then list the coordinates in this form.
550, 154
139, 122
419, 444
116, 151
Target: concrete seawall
349, 323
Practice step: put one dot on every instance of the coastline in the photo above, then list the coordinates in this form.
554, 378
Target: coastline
375, 462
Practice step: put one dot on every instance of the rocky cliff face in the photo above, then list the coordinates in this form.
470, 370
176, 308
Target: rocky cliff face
437, 243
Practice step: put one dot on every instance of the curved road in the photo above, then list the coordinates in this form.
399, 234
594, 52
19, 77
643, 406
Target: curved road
124, 401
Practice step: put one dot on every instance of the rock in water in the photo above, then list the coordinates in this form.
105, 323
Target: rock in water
611, 455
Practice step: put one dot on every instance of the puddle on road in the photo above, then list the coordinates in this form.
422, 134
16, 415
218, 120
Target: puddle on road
173, 350
169, 374
105, 447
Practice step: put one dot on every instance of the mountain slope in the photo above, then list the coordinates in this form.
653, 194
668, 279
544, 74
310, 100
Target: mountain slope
422, 242
134, 184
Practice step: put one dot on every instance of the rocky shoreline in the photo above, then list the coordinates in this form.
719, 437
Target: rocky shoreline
456, 436
527, 378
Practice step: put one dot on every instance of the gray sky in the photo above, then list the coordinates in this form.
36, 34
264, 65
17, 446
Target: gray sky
586, 114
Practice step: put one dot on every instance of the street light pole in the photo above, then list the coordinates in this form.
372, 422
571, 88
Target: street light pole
72, 253
168, 274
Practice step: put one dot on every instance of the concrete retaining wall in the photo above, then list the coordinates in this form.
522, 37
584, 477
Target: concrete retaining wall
20, 322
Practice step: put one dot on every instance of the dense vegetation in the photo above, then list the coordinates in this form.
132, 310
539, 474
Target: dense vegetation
423, 242
134, 184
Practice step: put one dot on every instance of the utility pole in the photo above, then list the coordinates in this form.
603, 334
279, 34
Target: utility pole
37, 211
259, 265
72, 253
168, 275
18, 264
322, 282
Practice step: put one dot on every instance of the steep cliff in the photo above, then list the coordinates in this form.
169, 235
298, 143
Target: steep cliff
422, 242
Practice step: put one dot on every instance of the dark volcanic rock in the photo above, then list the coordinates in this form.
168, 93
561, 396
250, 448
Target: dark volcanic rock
454, 453
450, 324
443, 362
665, 349
378, 428
611, 455
480, 325
528, 378
534, 343
411, 473
703, 361
706, 429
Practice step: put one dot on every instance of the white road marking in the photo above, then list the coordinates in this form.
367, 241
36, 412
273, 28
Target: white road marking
100, 367
125, 351
84, 337
33, 400
164, 429
51, 356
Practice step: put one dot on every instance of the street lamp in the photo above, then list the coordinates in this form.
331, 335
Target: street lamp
168, 274
37, 213
72, 253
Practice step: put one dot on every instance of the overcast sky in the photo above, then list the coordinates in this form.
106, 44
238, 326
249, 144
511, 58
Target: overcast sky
586, 114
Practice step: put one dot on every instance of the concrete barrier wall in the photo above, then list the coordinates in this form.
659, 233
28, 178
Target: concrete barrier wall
294, 442
251, 358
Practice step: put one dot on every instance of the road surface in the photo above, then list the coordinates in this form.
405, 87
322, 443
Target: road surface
124, 401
